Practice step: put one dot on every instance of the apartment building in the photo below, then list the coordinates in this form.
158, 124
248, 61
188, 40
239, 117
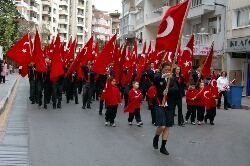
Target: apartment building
140, 19
238, 43
115, 21
101, 25
68, 17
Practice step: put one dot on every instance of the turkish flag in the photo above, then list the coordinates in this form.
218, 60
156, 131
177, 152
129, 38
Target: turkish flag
131, 107
205, 95
87, 50
24, 70
96, 51
148, 57
187, 56
122, 61
108, 90
56, 61
70, 53
233, 81
170, 27
208, 62
169, 56
88, 55
20, 52
214, 88
117, 64
105, 56
140, 68
37, 56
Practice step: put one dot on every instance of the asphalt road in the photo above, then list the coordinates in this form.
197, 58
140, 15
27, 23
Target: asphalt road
72, 136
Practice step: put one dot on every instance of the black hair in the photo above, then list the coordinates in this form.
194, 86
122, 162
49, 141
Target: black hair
164, 64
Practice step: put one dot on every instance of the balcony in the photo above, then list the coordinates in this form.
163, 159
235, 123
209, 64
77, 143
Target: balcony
80, 32
139, 22
139, 3
34, 9
202, 43
46, 12
81, 15
200, 7
63, 11
63, 21
129, 31
24, 15
22, 4
80, 41
154, 17
33, 19
80, 6
63, 30
80, 23
46, 3
64, 2
38, 1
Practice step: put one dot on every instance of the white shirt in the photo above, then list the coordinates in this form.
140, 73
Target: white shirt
221, 82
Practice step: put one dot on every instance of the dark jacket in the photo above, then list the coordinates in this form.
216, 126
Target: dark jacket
180, 85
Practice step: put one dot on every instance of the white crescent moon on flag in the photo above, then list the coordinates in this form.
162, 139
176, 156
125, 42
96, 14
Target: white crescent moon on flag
187, 49
169, 56
169, 28
26, 43
159, 52
205, 94
212, 83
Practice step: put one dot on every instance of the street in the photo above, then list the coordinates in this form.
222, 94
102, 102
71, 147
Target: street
73, 136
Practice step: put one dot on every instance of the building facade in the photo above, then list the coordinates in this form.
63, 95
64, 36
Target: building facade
238, 43
101, 25
115, 21
71, 18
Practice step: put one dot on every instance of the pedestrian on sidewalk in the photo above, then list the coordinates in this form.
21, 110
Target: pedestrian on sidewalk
4, 71
135, 95
164, 105
191, 103
201, 105
10, 68
222, 82
1, 69
112, 101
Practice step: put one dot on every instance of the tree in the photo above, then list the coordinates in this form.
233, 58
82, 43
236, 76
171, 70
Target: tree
45, 33
8, 24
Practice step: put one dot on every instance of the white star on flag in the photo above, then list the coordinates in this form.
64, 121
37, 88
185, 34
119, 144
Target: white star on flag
24, 50
186, 63
156, 61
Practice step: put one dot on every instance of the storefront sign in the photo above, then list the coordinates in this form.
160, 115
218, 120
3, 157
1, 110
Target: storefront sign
238, 44
201, 50
239, 55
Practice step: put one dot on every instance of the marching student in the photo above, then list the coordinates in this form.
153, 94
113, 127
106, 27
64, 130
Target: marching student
211, 113
71, 91
200, 106
191, 103
164, 105
135, 95
86, 92
151, 94
112, 101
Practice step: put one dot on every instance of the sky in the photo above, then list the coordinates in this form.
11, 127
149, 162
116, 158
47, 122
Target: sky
108, 5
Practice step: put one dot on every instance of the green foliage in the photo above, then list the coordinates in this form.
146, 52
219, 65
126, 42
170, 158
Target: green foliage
45, 33
8, 24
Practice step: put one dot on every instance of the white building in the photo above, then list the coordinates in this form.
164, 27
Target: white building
238, 43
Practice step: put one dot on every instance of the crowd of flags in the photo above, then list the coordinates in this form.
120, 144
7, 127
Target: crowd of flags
166, 49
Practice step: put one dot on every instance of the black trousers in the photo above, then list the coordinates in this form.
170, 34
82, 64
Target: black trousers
211, 113
64, 85
153, 114
178, 103
56, 93
111, 113
224, 93
2, 78
136, 115
47, 92
32, 90
191, 110
71, 91
86, 94
79, 86
200, 113
39, 91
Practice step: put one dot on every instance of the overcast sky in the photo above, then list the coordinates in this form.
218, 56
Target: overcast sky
108, 5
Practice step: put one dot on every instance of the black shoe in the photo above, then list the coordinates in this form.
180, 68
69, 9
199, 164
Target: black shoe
164, 151
226, 108
155, 143
100, 113
67, 101
212, 123
83, 107
97, 99
175, 115
88, 106
182, 125
76, 102
54, 106
45, 106
93, 99
218, 107
33, 102
59, 105
205, 120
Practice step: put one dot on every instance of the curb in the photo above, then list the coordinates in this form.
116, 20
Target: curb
4, 101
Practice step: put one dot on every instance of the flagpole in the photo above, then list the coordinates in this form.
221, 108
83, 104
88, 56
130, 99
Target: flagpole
29, 41
177, 49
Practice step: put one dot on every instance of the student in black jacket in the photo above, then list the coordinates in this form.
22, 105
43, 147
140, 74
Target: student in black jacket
164, 105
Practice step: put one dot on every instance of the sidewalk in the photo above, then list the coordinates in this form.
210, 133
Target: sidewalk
6, 89
245, 102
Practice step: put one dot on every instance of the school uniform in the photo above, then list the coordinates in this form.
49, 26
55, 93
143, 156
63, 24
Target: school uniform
86, 92
131, 97
57, 88
164, 114
211, 113
200, 108
32, 81
151, 94
191, 105
72, 87
112, 102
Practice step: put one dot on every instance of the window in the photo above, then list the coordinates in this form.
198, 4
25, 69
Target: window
113, 31
106, 30
97, 29
196, 28
243, 18
214, 25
